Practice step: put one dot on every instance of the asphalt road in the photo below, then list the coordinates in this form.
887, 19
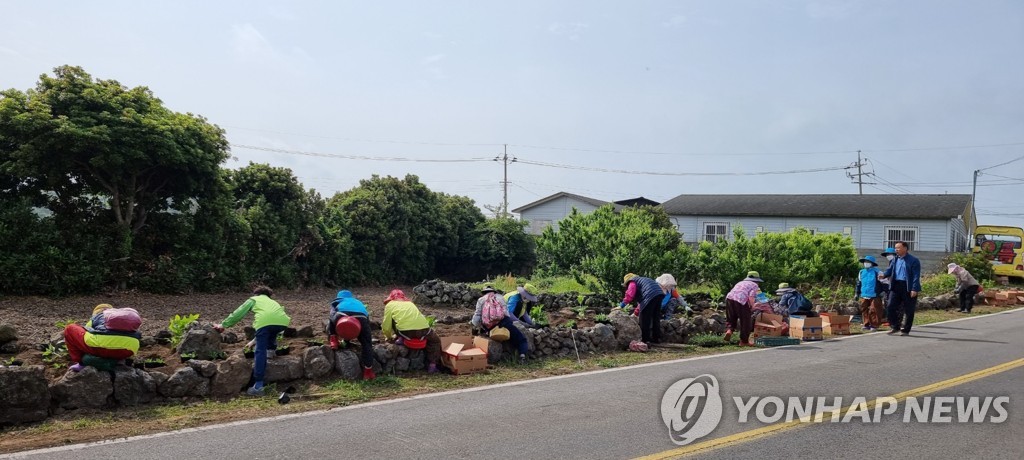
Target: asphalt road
616, 413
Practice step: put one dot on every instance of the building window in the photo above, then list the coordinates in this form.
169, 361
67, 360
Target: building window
758, 230
847, 230
897, 233
715, 231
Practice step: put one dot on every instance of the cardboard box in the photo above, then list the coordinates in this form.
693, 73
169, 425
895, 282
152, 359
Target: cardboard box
806, 329
836, 324
768, 325
464, 354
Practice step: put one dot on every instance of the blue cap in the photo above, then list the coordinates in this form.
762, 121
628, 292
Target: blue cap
889, 251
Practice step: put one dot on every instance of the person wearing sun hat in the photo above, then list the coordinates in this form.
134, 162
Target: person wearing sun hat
869, 292
966, 286
516, 337
794, 302
647, 294
352, 315
404, 324
519, 302
738, 307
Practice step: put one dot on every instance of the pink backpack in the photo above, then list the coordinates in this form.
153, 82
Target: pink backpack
493, 311
122, 319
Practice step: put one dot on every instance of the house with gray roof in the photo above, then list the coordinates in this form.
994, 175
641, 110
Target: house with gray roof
932, 225
547, 211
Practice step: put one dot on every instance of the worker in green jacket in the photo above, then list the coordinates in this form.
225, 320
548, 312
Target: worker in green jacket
269, 321
404, 323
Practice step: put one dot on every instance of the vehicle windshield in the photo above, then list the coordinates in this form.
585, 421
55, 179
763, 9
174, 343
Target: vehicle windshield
998, 241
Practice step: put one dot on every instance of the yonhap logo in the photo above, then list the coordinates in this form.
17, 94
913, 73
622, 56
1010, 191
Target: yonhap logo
691, 408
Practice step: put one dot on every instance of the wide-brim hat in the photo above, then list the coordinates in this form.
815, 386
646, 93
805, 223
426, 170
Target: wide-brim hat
951, 268
869, 259
784, 288
525, 292
753, 276
488, 289
625, 279
889, 252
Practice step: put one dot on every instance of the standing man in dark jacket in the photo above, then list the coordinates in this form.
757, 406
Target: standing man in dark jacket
905, 274
647, 295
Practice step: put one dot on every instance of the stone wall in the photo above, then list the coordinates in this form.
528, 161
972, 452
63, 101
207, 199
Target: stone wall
438, 293
27, 396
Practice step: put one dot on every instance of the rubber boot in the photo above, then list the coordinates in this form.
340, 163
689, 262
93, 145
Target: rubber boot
728, 335
368, 373
333, 340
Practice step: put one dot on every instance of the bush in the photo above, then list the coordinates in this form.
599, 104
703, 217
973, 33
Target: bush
976, 264
794, 257
933, 285
606, 245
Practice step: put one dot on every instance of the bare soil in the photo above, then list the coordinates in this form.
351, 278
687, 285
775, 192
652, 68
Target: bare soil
35, 318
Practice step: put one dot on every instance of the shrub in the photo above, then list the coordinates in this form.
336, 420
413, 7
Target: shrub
933, 285
599, 248
539, 317
976, 264
177, 326
794, 257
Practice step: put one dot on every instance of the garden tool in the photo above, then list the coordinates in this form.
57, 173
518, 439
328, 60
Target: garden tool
289, 393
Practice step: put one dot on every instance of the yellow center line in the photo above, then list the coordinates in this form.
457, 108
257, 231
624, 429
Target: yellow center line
752, 435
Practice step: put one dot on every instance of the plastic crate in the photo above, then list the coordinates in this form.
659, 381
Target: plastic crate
776, 341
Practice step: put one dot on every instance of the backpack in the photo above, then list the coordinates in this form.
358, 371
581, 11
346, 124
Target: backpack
798, 303
493, 311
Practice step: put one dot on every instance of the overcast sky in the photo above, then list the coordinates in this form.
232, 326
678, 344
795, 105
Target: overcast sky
672, 86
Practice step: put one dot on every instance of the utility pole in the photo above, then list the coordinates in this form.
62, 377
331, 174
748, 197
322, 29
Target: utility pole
974, 195
860, 183
505, 160
860, 174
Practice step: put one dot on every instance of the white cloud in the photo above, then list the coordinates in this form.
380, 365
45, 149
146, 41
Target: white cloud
571, 30
249, 44
675, 21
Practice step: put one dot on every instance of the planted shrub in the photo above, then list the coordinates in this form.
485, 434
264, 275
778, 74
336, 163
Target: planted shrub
177, 326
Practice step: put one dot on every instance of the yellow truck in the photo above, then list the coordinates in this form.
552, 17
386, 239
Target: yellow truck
1002, 247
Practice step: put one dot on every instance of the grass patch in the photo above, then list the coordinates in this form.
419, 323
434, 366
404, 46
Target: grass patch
549, 285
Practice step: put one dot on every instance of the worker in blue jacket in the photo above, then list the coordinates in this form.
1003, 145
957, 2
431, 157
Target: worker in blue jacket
905, 274
869, 294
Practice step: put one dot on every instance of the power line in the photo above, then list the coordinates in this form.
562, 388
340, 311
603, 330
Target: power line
636, 152
380, 141
360, 157
659, 173
958, 147
1002, 164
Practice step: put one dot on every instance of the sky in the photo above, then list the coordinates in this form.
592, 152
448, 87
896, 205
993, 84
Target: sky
928, 91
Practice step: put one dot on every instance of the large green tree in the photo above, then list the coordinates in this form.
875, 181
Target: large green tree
280, 215
75, 139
